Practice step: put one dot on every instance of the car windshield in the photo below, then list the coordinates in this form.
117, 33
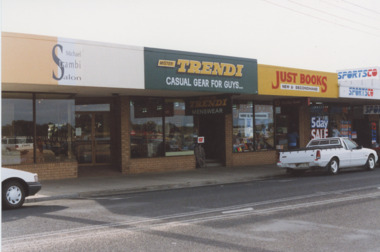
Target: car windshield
350, 144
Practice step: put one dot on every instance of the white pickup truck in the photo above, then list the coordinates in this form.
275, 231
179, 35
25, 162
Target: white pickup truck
329, 153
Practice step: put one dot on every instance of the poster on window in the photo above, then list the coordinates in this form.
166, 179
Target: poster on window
319, 127
373, 133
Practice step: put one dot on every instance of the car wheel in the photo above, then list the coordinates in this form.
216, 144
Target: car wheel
13, 195
371, 163
333, 167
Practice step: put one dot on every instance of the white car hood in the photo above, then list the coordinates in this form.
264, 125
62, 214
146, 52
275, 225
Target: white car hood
12, 173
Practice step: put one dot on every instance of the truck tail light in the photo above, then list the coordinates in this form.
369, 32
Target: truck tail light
318, 155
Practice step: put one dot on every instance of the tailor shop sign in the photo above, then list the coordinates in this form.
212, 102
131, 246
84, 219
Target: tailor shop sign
184, 71
296, 82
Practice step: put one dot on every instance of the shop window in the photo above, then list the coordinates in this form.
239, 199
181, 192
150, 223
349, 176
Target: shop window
320, 125
55, 126
264, 127
17, 129
178, 129
146, 116
242, 130
253, 128
160, 127
340, 121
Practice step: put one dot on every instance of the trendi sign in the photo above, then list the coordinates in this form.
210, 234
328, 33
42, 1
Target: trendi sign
172, 70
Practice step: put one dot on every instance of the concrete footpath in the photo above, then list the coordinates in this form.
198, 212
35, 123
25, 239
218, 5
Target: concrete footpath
119, 184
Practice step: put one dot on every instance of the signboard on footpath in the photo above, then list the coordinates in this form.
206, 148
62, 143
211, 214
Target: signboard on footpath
185, 71
274, 80
363, 83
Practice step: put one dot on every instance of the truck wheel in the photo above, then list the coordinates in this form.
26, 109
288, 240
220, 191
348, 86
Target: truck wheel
371, 163
294, 172
333, 166
290, 171
13, 194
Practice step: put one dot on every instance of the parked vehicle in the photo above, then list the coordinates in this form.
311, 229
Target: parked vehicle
377, 149
331, 154
16, 185
17, 143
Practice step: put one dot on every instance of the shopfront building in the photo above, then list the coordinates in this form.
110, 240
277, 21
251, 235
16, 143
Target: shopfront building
61, 105
298, 97
70, 108
210, 87
361, 88
74, 108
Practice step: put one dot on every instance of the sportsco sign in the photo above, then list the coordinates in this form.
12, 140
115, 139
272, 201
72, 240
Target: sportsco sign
359, 74
361, 83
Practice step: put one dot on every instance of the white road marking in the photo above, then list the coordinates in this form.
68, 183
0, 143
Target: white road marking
238, 210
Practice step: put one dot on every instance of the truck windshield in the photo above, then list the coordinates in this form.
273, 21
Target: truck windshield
350, 144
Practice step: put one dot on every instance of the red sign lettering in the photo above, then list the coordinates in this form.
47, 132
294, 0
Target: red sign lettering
291, 78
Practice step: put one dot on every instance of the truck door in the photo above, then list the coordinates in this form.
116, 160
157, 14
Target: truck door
357, 154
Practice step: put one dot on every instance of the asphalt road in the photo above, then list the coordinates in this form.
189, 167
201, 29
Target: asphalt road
313, 212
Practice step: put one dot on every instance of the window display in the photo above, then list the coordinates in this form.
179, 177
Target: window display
55, 126
340, 121
178, 129
264, 128
17, 129
242, 131
160, 128
146, 128
253, 128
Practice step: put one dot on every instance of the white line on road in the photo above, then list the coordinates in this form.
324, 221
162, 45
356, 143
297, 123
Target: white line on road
238, 210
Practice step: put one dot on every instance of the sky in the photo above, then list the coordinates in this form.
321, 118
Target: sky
320, 35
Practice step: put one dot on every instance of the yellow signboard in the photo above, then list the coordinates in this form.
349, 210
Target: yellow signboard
274, 80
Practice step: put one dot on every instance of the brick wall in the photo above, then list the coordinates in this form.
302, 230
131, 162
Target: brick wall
254, 158
50, 171
228, 134
161, 164
125, 137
